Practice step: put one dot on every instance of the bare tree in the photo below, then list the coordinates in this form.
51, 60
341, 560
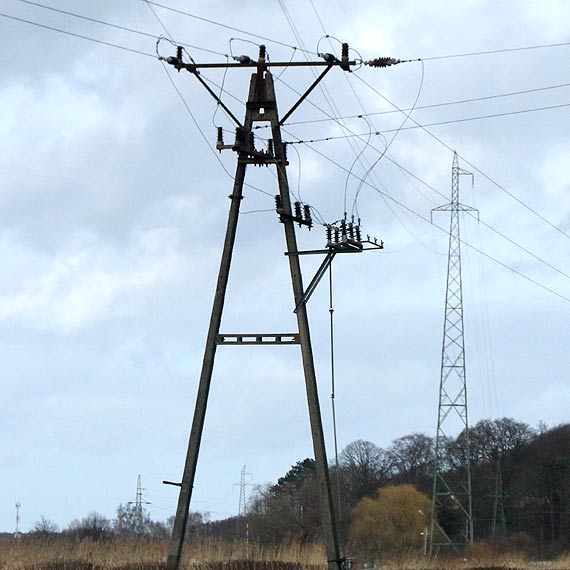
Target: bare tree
364, 468
412, 457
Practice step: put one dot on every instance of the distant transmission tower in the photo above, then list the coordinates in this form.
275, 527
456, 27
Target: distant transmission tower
17, 533
452, 491
138, 503
243, 484
242, 522
499, 522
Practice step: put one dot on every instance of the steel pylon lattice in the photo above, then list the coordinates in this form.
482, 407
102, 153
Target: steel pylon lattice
452, 493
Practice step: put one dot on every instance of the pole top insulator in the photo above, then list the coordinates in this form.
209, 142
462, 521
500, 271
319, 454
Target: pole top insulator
382, 62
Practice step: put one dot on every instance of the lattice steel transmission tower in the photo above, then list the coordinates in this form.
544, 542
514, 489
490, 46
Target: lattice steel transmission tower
451, 500
139, 512
243, 484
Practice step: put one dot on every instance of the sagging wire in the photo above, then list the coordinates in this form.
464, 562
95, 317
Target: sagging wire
375, 163
221, 93
299, 197
359, 60
356, 159
286, 68
238, 57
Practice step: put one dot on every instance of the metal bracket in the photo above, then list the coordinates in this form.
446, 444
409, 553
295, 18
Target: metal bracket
316, 279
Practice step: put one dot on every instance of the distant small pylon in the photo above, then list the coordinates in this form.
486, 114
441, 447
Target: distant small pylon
139, 502
17, 533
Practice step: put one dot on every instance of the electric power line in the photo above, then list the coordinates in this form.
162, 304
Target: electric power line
111, 25
349, 173
75, 35
227, 27
424, 125
420, 216
433, 105
496, 51
486, 176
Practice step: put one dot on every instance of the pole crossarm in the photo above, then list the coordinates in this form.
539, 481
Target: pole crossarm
258, 339
194, 67
328, 61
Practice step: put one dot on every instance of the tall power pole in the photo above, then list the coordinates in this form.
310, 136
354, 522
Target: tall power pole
452, 492
261, 106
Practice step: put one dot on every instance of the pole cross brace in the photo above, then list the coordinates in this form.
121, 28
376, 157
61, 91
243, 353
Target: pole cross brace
316, 279
257, 339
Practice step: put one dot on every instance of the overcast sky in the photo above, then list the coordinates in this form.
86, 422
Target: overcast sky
113, 207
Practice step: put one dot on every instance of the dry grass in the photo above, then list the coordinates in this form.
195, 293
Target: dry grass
138, 554
135, 554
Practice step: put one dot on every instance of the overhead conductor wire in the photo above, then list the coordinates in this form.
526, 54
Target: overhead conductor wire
427, 220
486, 176
408, 172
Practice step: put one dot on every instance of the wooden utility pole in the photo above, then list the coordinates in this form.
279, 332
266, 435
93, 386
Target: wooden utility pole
261, 106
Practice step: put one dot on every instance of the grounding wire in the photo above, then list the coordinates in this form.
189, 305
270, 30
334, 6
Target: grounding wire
467, 244
334, 109
486, 176
333, 396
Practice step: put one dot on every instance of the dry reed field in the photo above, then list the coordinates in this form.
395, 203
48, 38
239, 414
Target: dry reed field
60, 553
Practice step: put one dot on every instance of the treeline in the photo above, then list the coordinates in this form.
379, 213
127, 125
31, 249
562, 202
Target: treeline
131, 521
520, 488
